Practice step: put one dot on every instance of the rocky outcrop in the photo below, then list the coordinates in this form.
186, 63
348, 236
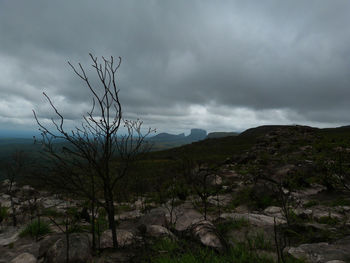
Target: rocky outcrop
79, 249
125, 238
24, 258
322, 252
157, 231
205, 232
254, 219
10, 235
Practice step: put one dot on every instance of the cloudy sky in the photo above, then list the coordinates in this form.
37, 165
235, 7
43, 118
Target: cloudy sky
217, 65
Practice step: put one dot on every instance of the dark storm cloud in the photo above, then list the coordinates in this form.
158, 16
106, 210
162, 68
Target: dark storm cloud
218, 65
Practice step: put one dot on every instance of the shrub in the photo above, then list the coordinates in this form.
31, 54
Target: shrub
3, 213
36, 228
311, 203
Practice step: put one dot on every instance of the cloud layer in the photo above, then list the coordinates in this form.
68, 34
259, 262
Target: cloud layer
226, 65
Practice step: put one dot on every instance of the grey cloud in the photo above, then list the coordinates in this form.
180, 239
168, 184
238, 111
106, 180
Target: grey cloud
291, 57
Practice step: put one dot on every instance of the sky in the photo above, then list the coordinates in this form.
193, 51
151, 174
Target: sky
217, 65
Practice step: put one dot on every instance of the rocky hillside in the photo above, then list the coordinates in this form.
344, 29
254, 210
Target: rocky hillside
281, 194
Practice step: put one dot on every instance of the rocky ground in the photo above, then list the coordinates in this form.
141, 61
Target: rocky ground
315, 228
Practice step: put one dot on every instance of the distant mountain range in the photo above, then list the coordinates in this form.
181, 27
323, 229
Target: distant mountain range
194, 136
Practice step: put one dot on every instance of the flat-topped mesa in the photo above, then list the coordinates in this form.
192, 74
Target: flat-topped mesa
197, 134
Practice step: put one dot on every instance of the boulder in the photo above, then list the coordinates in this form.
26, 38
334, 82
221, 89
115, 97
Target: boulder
125, 238
79, 249
254, 219
205, 232
24, 258
187, 218
157, 231
156, 216
47, 242
128, 215
220, 200
322, 252
10, 235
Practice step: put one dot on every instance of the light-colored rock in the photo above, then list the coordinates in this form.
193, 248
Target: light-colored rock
215, 180
220, 200
159, 232
24, 258
273, 210
254, 219
205, 232
27, 188
186, 218
129, 215
125, 238
79, 249
9, 235
336, 261
321, 211
321, 252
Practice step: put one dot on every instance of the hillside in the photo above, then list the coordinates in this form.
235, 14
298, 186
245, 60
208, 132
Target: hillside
270, 194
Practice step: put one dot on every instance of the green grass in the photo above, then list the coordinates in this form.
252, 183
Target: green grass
35, 229
259, 241
234, 224
4, 214
173, 253
332, 221
311, 203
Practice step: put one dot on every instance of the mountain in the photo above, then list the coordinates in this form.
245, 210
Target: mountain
164, 137
195, 135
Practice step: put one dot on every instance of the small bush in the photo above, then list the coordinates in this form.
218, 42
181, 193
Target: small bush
340, 202
3, 213
311, 203
35, 229
328, 220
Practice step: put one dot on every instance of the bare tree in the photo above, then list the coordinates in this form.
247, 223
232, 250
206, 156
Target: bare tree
95, 154
200, 177
14, 170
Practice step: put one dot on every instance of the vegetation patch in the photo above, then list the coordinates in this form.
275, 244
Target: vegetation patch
36, 228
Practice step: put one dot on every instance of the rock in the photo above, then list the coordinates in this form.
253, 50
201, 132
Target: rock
254, 219
242, 209
159, 232
336, 261
205, 232
24, 258
140, 203
321, 252
220, 200
314, 189
230, 174
125, 238
215, 180
128, 215
47, 242
321, 212
156, 216
10, 235
79, 249
187, 218
273, 210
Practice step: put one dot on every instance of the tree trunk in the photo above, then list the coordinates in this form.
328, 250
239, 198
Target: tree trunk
111, 211
93, 213
14, 217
